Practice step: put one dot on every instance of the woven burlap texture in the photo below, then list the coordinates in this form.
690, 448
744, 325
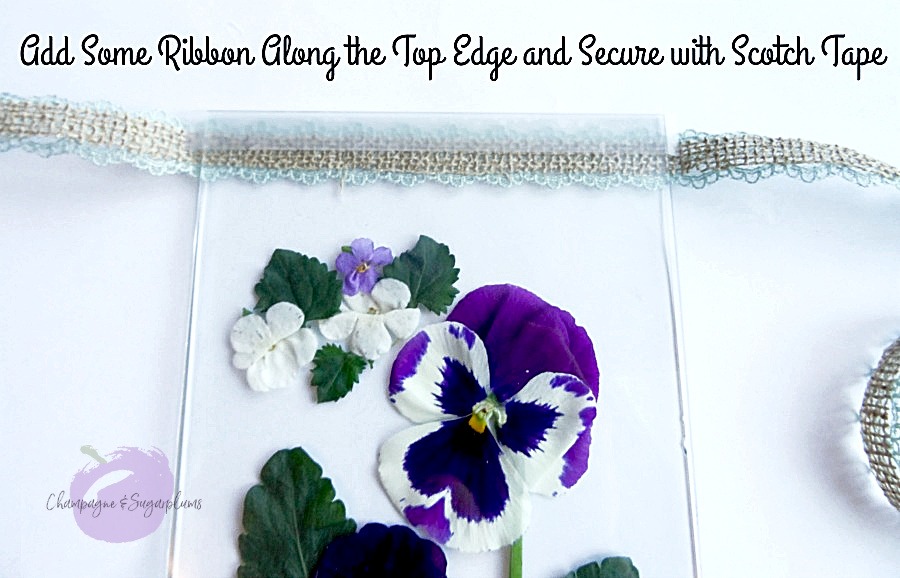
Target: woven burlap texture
878, 420
165, 140
698, 154
106, 128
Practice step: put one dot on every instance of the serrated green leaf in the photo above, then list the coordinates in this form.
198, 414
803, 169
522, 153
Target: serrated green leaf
616, 567
335, 371
289, 518
428, 269
304, 281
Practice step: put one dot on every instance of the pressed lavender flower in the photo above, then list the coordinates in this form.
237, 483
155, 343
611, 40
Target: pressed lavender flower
361, 266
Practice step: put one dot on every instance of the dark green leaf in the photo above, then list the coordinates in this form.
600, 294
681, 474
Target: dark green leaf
428, 269
618, 567
335, 371
289, 518
304, 281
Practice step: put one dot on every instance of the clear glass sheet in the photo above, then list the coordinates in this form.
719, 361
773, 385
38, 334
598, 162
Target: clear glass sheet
600, 254
96, 289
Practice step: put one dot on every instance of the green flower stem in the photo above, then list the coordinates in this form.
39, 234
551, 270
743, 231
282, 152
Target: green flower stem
515, 559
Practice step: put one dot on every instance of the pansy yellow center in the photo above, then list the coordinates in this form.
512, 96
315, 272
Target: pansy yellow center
485, 411
362, 267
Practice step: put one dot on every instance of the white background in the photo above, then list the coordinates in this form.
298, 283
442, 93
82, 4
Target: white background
620, 297
789, 290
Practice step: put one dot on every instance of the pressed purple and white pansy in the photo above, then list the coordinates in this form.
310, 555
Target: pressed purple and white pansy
504, 394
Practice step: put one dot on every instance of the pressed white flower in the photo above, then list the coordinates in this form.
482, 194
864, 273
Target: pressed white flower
272, 350
372, 322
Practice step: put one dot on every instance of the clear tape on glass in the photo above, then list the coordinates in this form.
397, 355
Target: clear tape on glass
457, 150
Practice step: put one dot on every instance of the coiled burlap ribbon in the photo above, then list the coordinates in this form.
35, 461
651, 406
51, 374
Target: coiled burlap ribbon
880, 426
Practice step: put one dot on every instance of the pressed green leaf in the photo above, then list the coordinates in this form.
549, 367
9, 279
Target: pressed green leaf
617, 567
289, 518
428, 269
304, 281
335, 371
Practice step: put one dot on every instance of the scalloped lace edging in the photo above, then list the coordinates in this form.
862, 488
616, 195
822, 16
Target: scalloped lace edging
161, 145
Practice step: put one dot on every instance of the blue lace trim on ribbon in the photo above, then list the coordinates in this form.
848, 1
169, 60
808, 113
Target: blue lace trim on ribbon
104, 155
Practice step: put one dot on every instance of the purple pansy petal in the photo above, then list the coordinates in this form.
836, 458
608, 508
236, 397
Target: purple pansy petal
531, 376
379, 550
407, 361
457, 458
526, 336
576, 458
363, 249
382, 256
527, 426
485, 503
432, 520
438, 375
547, 422
460, 391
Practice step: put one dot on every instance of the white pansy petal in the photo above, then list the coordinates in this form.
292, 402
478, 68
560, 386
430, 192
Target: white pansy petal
304, 344
402, 322
390, 294
370, 338
547, 432
360, 303
243, 360
275, 370
284, 319
440, 373
455, 485
250, 334
338, 327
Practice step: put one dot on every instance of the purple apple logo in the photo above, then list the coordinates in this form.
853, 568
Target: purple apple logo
131, 486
